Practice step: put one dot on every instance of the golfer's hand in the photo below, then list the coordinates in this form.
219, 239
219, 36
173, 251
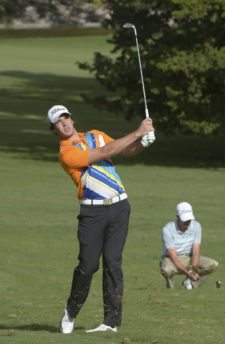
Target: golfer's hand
148, 139
145, 127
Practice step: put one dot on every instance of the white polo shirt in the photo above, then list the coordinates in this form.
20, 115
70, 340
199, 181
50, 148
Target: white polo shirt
172, 237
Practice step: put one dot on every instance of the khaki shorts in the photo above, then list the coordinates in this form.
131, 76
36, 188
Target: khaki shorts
206, 265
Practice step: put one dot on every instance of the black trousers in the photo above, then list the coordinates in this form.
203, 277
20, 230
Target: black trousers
102, 231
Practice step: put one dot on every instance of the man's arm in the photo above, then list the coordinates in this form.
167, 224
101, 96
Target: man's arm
196, 246
135, 148
120, 145
195, 256
138, 146
173, 256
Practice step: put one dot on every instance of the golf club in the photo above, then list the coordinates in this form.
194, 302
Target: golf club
151, 135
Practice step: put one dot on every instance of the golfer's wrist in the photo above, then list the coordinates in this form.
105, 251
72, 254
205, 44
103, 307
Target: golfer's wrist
138, 134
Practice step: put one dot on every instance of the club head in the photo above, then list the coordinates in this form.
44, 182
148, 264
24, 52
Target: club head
128, 26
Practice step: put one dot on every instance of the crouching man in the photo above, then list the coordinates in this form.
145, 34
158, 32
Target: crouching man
181, 241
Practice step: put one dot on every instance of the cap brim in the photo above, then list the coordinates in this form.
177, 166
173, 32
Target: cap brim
187, 216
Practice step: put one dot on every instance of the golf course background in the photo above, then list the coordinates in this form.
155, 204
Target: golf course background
38, 246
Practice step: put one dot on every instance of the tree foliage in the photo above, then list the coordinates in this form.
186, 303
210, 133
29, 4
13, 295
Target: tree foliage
10, 9
183, 56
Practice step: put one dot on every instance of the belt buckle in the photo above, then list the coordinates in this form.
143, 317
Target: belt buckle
107, 201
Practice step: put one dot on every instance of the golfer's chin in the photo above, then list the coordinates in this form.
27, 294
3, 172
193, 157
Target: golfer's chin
67, 135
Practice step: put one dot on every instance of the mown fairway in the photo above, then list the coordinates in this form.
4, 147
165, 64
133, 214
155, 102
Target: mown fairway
38, 247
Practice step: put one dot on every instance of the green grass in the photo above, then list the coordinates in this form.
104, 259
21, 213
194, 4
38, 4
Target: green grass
38, 247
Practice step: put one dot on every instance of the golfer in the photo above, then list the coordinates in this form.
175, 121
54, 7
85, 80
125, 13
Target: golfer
181, 241
104, 211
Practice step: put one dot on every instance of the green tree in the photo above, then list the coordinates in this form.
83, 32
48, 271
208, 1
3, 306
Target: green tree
183, 57
10, 9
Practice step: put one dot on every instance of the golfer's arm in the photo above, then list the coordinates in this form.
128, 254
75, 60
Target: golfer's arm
195, 255
114, 147
133, 149
173, 256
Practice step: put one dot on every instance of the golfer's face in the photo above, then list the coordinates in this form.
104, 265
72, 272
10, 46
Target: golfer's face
183, 225
64, 126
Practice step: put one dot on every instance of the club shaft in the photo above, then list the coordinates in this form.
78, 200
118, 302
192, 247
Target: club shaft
141, 73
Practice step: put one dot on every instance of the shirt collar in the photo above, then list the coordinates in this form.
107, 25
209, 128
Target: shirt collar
70, 142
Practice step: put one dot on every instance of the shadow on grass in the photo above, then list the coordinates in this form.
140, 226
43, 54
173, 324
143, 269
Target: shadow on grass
46, 86
30, 327
24, 132
33, 327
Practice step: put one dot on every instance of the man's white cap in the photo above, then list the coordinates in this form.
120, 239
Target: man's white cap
55, 112
184, 211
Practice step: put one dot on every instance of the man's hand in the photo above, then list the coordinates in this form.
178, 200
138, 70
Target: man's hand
145, 127
148, 139
193, 276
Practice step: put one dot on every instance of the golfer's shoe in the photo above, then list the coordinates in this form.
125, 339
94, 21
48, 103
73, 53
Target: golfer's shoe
66, 323
102, 328
187, 284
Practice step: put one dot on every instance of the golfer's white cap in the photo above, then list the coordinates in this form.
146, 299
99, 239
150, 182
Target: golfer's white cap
55, 112
184, 211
